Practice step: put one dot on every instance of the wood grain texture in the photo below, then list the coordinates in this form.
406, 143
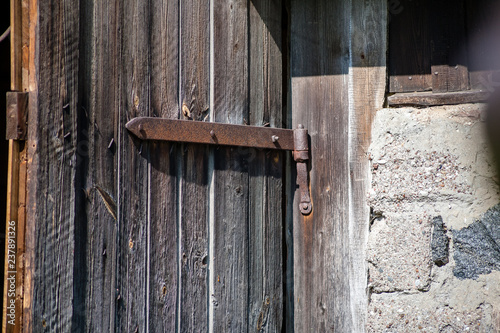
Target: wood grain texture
95, 262
16, 178
32, 169
367, 81
319, 58
230, 177
12, 215
409, 46
448, 62
265, 169
430, 99
195, 96
147, 270
52, 145
163, 188
133, 169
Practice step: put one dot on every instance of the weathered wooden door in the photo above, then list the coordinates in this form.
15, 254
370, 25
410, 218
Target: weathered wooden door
127, 235
195, 243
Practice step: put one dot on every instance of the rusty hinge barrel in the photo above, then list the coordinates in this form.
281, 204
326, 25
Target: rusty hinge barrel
301, 156
17, 106
150, 128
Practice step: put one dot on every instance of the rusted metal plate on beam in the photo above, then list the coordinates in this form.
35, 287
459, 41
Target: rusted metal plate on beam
17, 104
148, 128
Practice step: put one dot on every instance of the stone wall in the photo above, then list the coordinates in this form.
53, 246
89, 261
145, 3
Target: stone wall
434, 244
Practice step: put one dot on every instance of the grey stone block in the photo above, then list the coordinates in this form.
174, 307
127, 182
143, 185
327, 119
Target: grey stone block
439, 242
477, 249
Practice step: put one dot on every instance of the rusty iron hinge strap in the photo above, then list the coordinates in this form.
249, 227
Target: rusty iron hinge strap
150, 128
17, 106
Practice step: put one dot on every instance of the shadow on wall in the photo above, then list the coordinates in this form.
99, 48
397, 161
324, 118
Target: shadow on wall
489, 46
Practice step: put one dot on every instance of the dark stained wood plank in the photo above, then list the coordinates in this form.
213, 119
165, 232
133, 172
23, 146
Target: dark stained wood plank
367, 93
229, 261
448, 61
133, 169
320, 60
96, 246
163, 219
482, 46
409, 45
194, 189
430, 99
52, 140
265, 169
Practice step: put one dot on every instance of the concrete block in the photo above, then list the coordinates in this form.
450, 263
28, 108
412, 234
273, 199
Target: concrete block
399, 253
420, 313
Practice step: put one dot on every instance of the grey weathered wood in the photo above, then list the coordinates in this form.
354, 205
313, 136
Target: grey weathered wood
50, 238
319, 63
266, 78
133, 177
147, 270
96, 246
230, 176
163, 221
367, 92
429, 99
194, 200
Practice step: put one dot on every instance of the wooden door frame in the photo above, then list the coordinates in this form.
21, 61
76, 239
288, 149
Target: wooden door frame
338, 80
17, 175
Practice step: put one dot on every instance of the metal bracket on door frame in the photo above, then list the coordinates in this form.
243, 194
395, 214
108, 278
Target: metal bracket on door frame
149, 128
17, 111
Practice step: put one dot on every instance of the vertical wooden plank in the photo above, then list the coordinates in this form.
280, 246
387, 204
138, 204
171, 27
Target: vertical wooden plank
230, 235
194, 201
95, 262
320, 62
409, 41
32, 171
16, 187
16, 45
265, 169
11, 313
52, 168
367, 84
448, 64
23, 168
164, 99
133, 177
